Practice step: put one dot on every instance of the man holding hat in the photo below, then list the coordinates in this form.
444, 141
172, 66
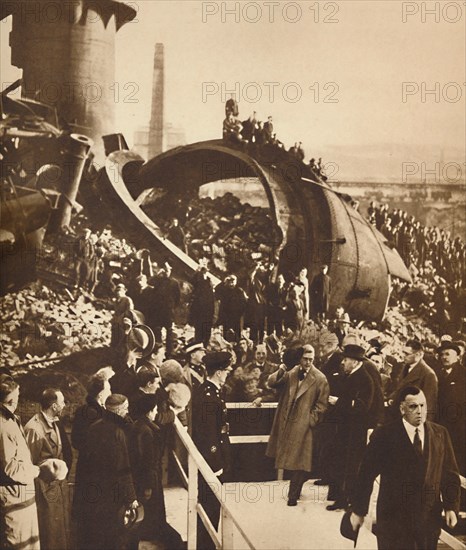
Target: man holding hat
352, 417
47, 440
303, 401
210, 432
107, 482
452, 392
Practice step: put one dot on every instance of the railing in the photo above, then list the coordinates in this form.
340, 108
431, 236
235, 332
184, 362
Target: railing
224, 538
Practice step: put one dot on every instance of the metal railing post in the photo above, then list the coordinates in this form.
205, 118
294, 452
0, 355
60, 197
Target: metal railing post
192, 502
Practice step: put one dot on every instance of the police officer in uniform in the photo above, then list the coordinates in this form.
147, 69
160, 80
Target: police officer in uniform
195, 371
210, 434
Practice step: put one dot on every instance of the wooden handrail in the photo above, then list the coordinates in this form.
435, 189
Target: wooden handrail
197, 463
250, 405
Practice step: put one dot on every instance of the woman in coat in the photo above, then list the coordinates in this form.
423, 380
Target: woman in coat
303, 400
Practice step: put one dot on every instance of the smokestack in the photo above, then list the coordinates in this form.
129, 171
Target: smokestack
156, 141
67, 53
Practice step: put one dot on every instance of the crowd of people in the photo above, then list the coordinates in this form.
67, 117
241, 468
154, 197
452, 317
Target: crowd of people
255, 136
275, 340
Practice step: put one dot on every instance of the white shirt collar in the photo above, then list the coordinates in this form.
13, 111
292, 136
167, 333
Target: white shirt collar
411, 431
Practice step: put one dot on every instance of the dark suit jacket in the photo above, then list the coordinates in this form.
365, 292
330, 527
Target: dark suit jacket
425, 379
410, 488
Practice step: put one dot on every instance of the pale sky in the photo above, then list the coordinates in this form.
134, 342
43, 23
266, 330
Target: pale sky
363, 58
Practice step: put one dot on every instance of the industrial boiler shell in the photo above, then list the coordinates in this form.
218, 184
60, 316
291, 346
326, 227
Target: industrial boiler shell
318, 225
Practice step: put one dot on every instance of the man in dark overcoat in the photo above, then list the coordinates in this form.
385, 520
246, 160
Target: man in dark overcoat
416, 372
352, 417
320, 294
106, 480
167, 297
303, 401
452, 392
202, 307
232, 303
418, 478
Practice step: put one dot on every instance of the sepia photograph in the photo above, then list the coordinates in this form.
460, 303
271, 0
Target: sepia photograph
232, 275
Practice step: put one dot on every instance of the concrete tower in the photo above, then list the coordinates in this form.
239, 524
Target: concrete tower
156, 144
67, 53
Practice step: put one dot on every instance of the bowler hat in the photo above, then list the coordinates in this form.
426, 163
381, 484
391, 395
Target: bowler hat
353, 351
217, 360
346, 529
448, 345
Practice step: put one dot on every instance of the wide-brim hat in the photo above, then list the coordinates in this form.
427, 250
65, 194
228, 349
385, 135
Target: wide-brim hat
448, 345
353, 351
217, 360
346, 529
142, 339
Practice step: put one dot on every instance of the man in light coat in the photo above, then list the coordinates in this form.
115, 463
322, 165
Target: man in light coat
47, 440
304, 398
18, 513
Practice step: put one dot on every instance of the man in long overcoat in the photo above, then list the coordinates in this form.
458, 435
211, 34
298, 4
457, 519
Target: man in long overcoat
202, 308
47, 440
303, 401
18, 512
352, 408
418, 478
320, 294
107, 481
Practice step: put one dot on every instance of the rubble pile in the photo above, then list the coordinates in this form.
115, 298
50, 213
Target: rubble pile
232, 235
40, 324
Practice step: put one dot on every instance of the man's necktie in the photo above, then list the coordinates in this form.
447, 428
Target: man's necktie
417, 443
302, 375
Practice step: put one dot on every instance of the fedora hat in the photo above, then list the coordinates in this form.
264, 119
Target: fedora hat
141, 338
